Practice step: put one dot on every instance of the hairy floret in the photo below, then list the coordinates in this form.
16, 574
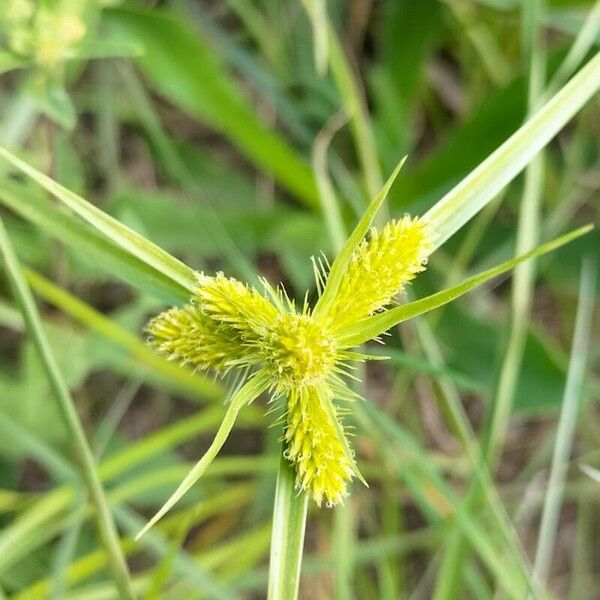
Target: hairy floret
316, 446
190, 337
236, 304
297, 351
380, 268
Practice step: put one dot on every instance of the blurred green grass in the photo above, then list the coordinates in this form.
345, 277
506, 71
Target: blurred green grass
203, 144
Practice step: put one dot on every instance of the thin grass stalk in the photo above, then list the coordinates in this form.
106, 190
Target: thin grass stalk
527, 238
585, 40
566, 425
355, 106
88, 466
450, 575
287, 537
351, 94
329, 204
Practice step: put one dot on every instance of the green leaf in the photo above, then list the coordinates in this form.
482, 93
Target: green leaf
185, 69
247, 394
122, 236
459, 205
373, 326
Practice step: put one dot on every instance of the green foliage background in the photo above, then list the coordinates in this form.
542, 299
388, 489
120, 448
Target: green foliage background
196, 123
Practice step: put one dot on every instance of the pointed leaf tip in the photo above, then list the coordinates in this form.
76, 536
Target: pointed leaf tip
246, 394
345, 255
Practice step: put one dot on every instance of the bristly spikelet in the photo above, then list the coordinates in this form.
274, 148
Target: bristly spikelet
188, 336
234, 303
381, 266
223, 326
298, 351
324, 465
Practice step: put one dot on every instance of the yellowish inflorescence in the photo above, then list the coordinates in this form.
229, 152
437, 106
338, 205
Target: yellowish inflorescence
230, 325
380, 268
44, 33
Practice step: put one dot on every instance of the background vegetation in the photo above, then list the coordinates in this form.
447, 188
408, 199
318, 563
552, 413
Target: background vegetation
245, 137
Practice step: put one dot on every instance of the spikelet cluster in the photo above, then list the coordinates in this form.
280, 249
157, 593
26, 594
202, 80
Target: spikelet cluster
186, 335
298, 352
235, 304
315, 444
229, 324
380, 268
43, 33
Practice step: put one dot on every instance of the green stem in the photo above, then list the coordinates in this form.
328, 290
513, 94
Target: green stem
449, 578
76, 433
566, 424
287, 537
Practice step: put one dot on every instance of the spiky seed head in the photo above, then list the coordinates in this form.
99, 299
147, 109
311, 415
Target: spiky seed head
239, 305
230, 324
298, 351
380, 268
188, 336
323, 464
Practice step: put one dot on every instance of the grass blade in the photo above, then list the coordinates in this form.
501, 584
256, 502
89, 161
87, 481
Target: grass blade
476, 190
247, 393
374, 326
567, 422
287, 537
355, 106
101, 252
88, 467
317, 11
115, 231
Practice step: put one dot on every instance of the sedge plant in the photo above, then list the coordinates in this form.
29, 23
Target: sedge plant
303, 354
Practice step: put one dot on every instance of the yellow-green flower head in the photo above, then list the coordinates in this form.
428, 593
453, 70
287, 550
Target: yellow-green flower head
56, 32
17, 12
316, 445
44, 34
380, 268
298, 351
229, 324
